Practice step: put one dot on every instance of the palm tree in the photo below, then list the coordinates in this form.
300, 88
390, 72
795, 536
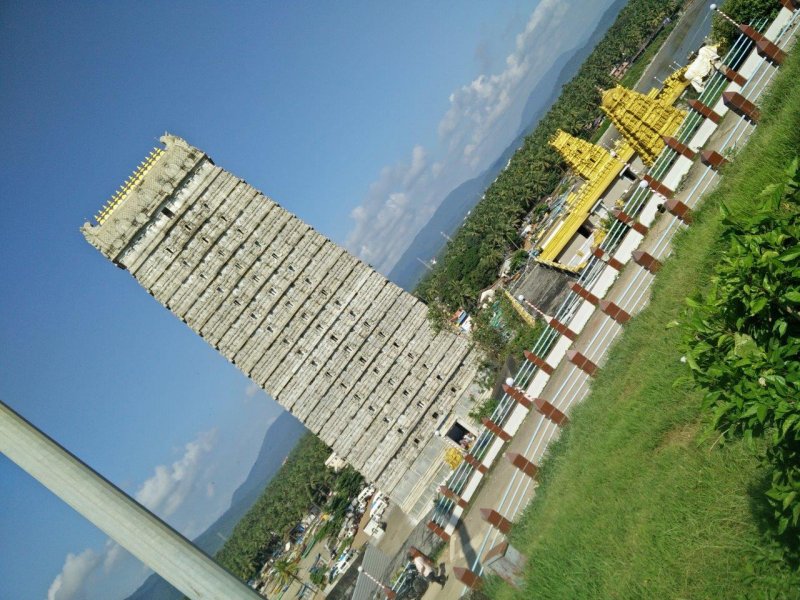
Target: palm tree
286, 572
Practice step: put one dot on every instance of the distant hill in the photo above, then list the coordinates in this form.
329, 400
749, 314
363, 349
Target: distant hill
569, 63
429, 241
279, 440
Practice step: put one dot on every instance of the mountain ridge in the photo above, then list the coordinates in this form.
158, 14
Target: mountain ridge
281, 436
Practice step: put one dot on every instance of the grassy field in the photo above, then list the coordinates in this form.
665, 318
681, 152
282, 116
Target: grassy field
638, 499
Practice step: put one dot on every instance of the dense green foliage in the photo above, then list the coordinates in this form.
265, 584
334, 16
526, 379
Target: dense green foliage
508, 339
635, 499
518, 259
637, 69
741, 11
744, 339
473, 257
302, 481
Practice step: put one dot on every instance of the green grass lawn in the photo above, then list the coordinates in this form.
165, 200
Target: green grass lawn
638, 499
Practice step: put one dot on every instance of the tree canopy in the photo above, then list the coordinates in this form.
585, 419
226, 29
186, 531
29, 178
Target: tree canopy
302, 481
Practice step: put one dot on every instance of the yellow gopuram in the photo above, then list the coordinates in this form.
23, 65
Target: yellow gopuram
644, 119
588, 160
599, 168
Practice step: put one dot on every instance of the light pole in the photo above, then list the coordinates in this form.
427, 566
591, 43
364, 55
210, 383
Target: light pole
126, 521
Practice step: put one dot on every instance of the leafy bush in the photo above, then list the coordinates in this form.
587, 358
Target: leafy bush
485, 409
744, 340
317, 577
518, 260
497, 344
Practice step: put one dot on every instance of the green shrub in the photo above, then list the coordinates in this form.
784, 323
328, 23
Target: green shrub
518, 260
743, 339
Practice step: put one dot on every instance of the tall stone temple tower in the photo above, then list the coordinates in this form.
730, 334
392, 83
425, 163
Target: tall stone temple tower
349, 353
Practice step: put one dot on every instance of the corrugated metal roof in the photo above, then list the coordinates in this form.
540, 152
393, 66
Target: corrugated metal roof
377, 565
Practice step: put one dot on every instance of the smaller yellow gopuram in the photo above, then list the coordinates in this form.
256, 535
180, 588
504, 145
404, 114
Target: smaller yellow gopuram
588, 160
598, 168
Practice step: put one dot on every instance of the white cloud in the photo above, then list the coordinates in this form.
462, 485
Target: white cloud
113, 552
394, 210
476, 107
163, 493
417, 166
77, 568
166, 490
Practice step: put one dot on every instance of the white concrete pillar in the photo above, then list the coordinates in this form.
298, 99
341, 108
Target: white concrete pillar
125, 521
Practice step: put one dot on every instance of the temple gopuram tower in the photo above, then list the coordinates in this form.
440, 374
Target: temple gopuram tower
645, 119
346, 351
589, 161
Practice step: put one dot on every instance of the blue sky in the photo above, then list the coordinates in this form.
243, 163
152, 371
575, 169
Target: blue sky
357, 116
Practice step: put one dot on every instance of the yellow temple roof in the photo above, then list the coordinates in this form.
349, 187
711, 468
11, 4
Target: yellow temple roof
642, 120
599, 168
611, 98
